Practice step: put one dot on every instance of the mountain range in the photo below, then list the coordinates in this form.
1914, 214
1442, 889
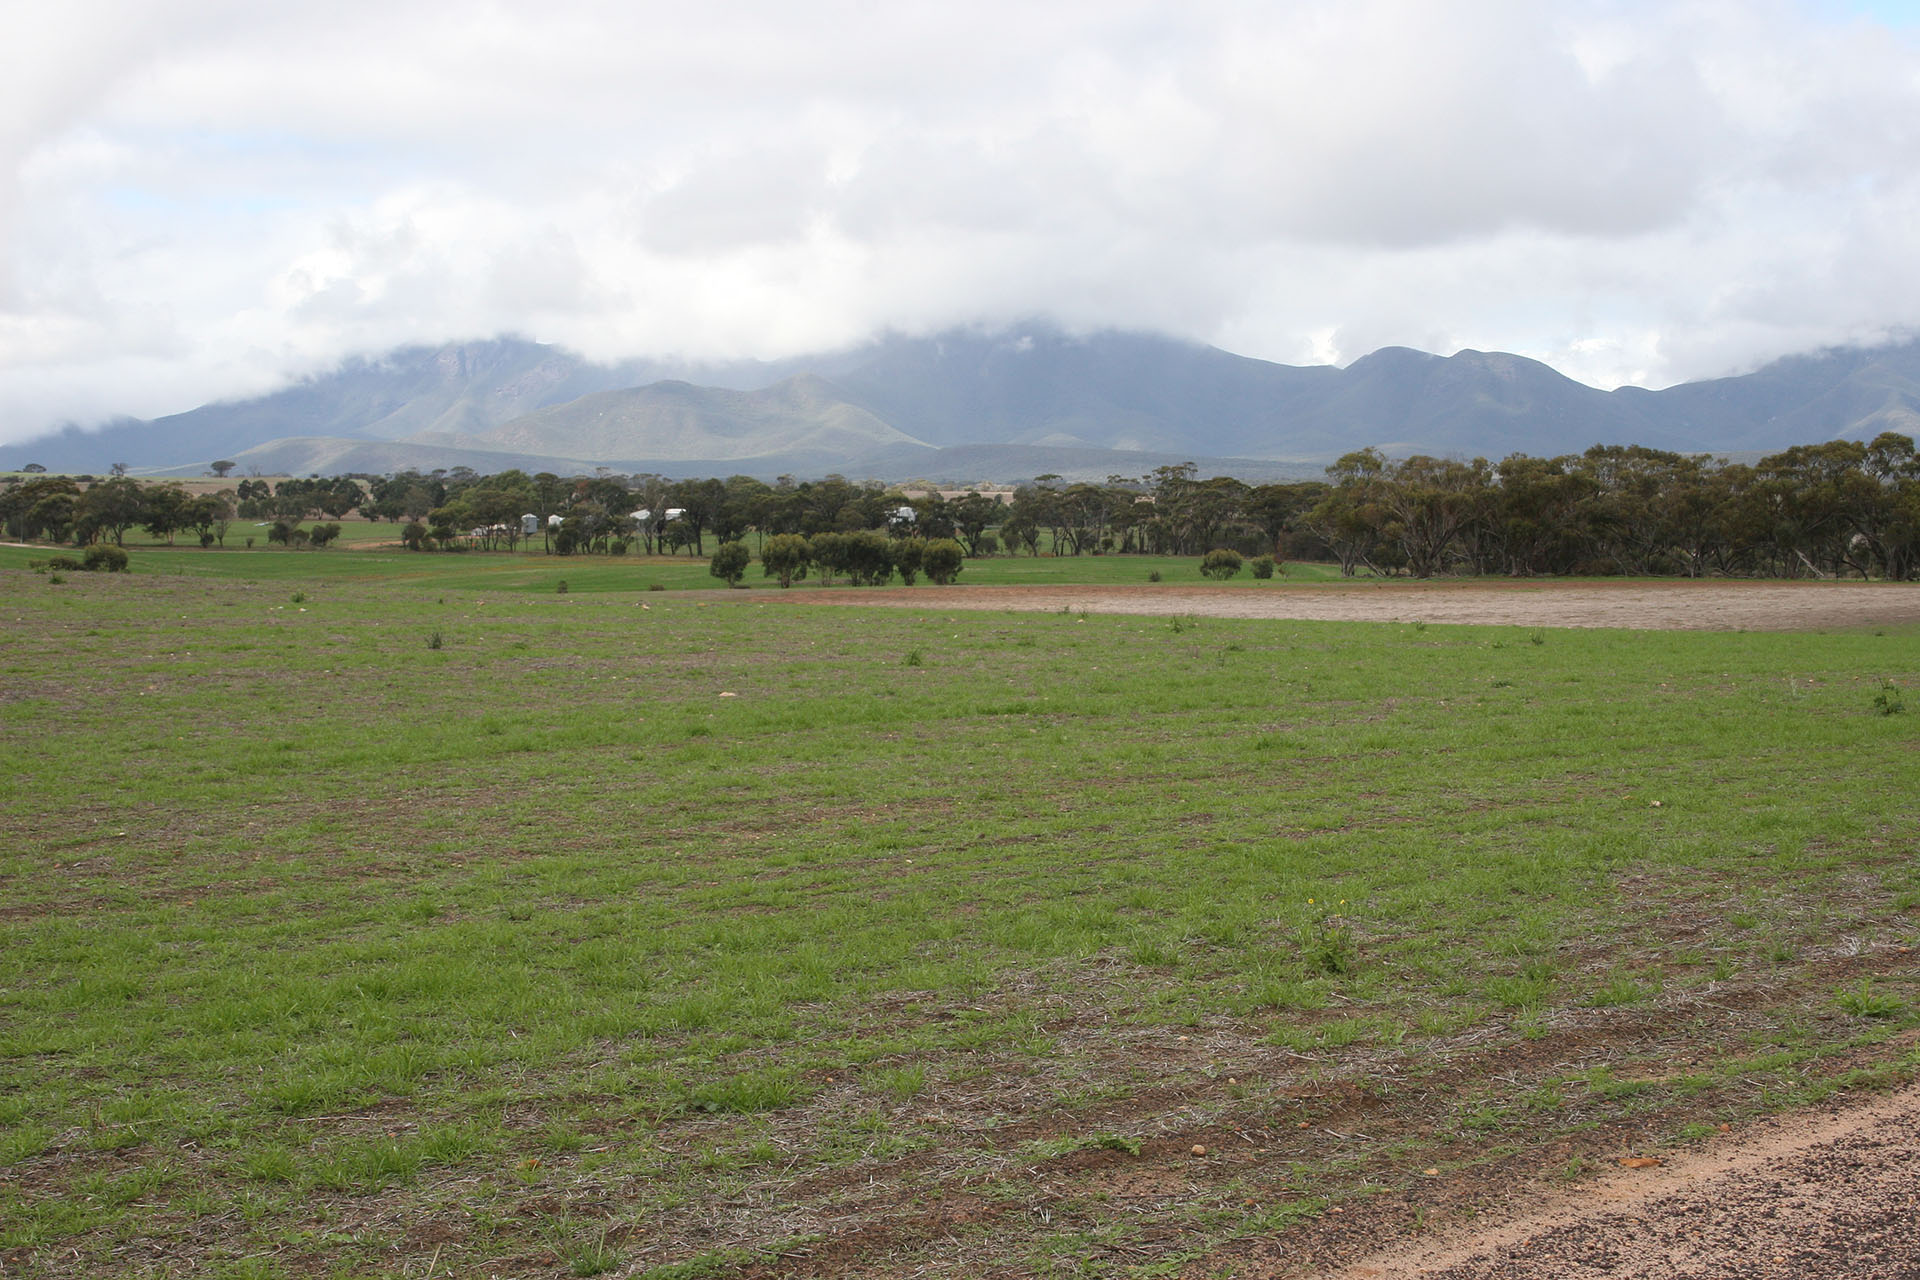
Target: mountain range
973, 405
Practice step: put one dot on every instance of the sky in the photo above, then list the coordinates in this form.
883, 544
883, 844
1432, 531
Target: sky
202, 199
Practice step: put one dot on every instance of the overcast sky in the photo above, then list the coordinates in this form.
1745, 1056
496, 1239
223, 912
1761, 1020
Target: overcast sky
202, 198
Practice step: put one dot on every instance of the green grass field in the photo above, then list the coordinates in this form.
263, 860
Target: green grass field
389, 915
359, 556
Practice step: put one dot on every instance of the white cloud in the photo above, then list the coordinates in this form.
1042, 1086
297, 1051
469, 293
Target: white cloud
200, 196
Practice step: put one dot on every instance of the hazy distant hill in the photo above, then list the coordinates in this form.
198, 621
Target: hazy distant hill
453, 390
674, 421
983, 405
1129, 391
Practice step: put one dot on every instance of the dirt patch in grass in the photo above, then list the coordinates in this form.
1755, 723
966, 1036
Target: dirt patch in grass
1684, 606
1826, 1192
1334, 1150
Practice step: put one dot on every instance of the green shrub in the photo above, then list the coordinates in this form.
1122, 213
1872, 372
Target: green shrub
785, 556
729, 563
943, 560
1153, 575
908, 556
1262, 567
67, 564
1220, 564
105, 556
868, 558
829, 555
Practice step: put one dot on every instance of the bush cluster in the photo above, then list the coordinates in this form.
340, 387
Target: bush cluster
864, 557
102, 557
1221, 563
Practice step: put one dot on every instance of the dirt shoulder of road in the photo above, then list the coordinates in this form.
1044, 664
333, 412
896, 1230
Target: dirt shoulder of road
1712, 606
1829, 1191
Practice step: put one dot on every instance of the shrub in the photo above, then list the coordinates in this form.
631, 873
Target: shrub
67, 564
1220, 563
321, 534
785, 556
730, 562
1262, 567
908, 554
1153, 575
618, 547
829, 555
105, 556
986, 545
943, 560
562, 587
1888, 701
869, 558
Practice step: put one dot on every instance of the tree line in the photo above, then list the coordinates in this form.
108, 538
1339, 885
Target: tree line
864, 557
1838, 508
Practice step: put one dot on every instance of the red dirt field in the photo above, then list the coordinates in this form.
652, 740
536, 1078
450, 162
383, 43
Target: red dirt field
1679, 605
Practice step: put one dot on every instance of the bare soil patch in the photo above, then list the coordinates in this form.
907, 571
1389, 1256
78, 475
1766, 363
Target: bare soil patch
1827, 1192
1660, 606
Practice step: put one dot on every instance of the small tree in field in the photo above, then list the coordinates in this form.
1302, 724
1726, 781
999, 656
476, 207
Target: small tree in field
785, 556
1220, 564
869, 558
829, 555
943, 560
908, 556
730, 562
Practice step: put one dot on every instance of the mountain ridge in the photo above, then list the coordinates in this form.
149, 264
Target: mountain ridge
898, 405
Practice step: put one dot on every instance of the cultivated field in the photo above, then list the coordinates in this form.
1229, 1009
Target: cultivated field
427, 922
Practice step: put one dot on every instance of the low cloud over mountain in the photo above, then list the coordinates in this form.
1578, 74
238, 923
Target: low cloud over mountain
971, 404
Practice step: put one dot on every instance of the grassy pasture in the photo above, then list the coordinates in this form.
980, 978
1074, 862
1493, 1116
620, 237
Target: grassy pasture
358, 558
715, 938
